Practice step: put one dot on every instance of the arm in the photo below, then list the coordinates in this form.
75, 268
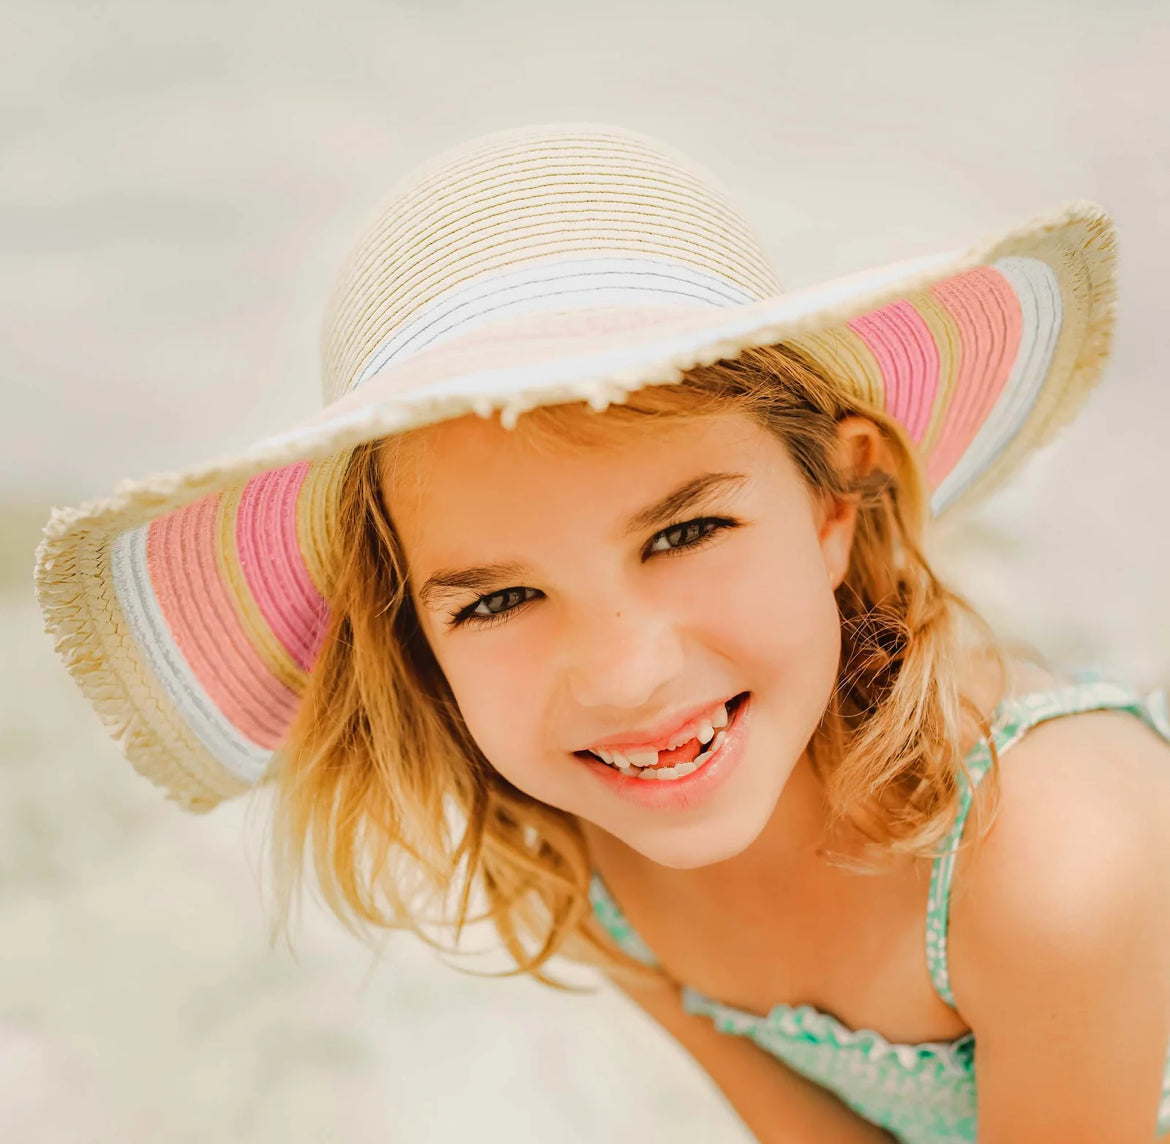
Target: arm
1061, 950
778, 1105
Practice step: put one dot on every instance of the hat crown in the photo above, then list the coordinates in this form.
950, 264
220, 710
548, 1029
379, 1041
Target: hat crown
549, 217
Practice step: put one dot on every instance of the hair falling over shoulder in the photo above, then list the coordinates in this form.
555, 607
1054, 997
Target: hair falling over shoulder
383, 790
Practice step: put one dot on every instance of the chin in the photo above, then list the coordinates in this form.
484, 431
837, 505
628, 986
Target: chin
707, 843
733, 821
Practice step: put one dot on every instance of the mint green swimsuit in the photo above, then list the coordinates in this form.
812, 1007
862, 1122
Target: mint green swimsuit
924, 1093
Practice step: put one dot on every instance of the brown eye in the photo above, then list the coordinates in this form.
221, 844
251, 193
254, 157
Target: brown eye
494, 607
503, 601
686, 535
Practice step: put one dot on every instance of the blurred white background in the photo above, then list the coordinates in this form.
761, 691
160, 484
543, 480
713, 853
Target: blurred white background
178, 182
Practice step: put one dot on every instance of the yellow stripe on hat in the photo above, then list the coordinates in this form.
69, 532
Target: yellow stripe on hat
945, 332
260, 635
317, 517
844, 354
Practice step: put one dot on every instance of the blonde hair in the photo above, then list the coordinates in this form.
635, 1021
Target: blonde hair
383, 783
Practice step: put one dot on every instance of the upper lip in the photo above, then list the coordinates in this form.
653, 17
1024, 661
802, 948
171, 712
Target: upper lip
662, 733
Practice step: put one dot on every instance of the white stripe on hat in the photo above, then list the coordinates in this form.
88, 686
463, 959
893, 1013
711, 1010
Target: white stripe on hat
552, 284
245, 759
585, 374
1042, 316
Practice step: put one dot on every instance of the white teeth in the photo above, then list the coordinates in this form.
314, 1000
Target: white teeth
667, 773
635, 760
702, 730
705, 731
680, 769
643, 758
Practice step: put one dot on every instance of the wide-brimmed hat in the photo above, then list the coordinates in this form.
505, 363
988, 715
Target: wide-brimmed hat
535, 266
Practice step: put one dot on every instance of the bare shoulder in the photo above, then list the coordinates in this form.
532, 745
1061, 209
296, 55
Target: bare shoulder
1077, 847
1083, 777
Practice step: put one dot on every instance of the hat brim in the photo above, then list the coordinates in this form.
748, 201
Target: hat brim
189, 606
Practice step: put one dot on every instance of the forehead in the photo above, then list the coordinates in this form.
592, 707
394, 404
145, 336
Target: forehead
472, 457
468, 491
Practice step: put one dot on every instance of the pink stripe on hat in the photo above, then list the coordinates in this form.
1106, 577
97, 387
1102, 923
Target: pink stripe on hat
270, 556
194, 601
908, 358
987, 312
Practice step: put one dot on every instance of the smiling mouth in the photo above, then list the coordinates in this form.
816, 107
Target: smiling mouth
674, 762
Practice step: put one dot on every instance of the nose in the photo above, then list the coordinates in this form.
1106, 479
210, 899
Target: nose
622, 657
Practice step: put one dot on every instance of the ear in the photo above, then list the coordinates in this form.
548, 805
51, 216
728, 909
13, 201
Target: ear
860, 449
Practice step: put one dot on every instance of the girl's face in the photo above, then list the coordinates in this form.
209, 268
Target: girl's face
615, 597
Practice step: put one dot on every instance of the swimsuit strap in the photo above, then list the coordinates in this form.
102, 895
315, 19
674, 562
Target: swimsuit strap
1012, 718
608, 913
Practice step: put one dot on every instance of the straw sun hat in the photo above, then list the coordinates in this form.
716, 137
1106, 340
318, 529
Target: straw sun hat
528, 267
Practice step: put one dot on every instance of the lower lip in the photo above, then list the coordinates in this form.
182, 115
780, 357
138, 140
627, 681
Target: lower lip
692, 789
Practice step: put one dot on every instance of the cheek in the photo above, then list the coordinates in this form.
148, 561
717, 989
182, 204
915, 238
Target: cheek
777, 605
496, 680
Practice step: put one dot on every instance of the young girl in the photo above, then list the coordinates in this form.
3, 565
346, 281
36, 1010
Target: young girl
597, 590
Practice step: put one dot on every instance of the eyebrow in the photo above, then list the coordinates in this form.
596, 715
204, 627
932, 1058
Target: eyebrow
684, 497
481, 578
478, 580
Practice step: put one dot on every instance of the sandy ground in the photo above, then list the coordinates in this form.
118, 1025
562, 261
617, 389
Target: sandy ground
177, 183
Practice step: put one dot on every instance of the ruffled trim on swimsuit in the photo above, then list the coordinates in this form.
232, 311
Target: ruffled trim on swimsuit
806, 1024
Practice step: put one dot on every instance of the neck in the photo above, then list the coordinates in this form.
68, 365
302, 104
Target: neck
791, 842
789, 846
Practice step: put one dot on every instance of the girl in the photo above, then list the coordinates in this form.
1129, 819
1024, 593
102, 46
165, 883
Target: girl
598, 590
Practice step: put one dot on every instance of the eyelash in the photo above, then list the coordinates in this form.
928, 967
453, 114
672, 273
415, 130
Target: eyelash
713, 524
